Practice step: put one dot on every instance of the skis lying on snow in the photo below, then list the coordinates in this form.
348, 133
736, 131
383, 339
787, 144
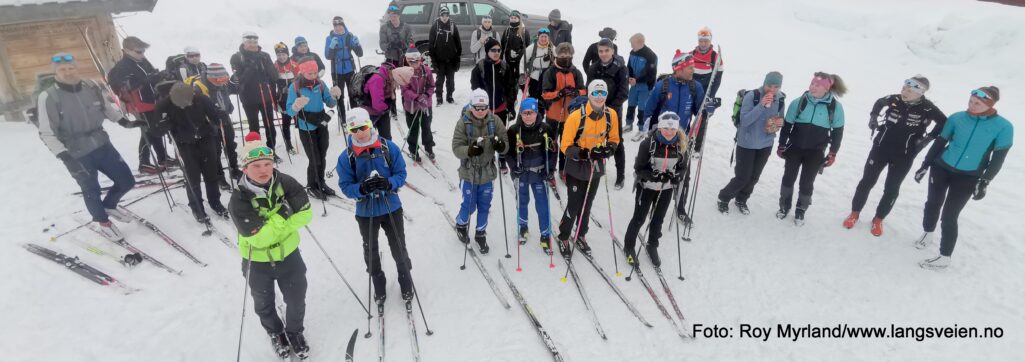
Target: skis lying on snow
170, 241
380, 332
665, 286
143, 183
651, 292
79, 267
415, 343
541, 332
619, 293
211, 229
349, 205
351, 347
587, 301
124, 244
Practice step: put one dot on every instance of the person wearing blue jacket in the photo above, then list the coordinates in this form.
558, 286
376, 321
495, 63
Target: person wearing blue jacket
761, 116
961, 163
531, 165
371, 170
339, 47
308, 99
814, 122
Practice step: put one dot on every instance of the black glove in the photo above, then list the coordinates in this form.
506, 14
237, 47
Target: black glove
980, 189
499, 144
568, 92
661, 177
381, 184
124, 122
367, 186
921, 174
550, 177
515, 174
74, 167
475, 149
873, 122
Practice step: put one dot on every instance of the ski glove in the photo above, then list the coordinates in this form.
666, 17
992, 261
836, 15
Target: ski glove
299, 103
499, 144
921, 174
661, 177
78, 172
475, 149
980, 189
830, 159
336, 92
568, 92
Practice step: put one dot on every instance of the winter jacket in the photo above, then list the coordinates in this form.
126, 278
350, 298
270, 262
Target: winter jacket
287, 72
561, 33
312, 114
480, 169
753, 118
194, 123
538, 60
973, 145
255, 74
299, 58
811, 128
421, 87
445, 45
643, 66
533, 154
71, 117
591, 55
703, 64
369, 160
374, 94
476, 47
658, 154
494, 78
594, 129
269, 219
514, 44
220, 95
615, 76
394, 41
553, 82
186, 69
135, 84
339, 48
671, 95
903, 127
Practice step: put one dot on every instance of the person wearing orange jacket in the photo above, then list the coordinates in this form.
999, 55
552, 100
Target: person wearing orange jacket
559, 86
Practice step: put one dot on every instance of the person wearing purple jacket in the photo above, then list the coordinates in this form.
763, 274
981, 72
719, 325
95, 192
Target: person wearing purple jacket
376, 92
416, 100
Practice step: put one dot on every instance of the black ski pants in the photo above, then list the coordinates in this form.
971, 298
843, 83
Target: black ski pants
579, 200
201, 161
807, 163
315, 145
419, 123
290, 275
747, 170
949, 192
644, 201
897, 165
445, 76
370, 228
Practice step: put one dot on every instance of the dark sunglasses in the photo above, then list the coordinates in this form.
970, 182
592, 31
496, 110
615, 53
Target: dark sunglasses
137, 51
481, 107
359, 128
495, 50
62, 58
193, 55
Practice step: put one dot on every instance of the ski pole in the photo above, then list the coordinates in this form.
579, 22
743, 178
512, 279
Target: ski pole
612, 232
416, 294
337, 271
580, 221
245, 293
548, 204
153, 157
313, 158
268, 116
516, 183
188, 181
654, 206
505, 225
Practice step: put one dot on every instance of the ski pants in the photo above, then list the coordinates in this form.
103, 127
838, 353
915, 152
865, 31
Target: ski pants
200, 162
949, 191
579, 200
419, 123
382, 123
315, 145
108, 161
343, 83
557, 127
446, 75
476, 198
290, 275
286, 126
643, 203
151, 137
370, 228
897, 166
540, 190
254, 109
808, 163
747, 170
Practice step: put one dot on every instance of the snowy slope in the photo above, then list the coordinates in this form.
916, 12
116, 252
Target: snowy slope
738, 269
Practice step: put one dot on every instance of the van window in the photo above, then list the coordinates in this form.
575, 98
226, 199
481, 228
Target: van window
498, 16
457, 13
415, 14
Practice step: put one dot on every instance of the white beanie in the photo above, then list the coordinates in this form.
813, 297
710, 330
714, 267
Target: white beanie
191, 50
358, 117
669, 120
478, 97
597, 85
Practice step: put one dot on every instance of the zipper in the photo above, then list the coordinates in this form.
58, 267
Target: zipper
907, 143
970, 136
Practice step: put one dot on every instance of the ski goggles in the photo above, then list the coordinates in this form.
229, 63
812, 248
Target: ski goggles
480, 107
338, 22
362, 127
911, 83
495, 50
66, 58
824, 82
192, 55
261, 152
979, 93
599, 93
392, 9
544, 31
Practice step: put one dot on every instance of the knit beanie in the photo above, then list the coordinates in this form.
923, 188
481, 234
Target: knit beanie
181, 94
412, 53
773, 78
682, 60
253, 142
216, 70
300, 40
491, 43
281, 48
607, 33
528, 104
555, 15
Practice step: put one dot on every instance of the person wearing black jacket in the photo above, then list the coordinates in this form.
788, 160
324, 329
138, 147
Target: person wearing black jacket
255, 75
134, 80
214, 84
492, 75
191, 117
642, 70
562, 31
609, 67
445, 50
532, 164
301, 53
514, 45
899, 137
591, 55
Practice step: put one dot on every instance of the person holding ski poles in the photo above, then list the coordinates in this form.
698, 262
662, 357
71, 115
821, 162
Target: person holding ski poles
478, 136
416, 100
308, 100
255, 74
531, 165
559, 86
539, 57
339, 48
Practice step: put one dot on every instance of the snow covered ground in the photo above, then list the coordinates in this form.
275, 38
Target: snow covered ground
740, 269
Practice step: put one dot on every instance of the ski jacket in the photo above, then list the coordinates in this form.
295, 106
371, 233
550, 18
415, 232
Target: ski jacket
445, 44
339, 48
539, 59
561, 33
494, 78
312, 114
354, 167
585, 129
753, 119
268, 219
703, 64
374, 93
135, 82
71, 117
812, 128
514, 44
287, 72
643, 66
904, 125
657, 154
417, 94
555, 80
973, 145
534, 154
615, 76
196, 123
671, 95
255, 73
394, 41
479, 53
478, 169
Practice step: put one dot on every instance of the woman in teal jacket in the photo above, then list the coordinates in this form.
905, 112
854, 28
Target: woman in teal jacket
308, 98
966, 156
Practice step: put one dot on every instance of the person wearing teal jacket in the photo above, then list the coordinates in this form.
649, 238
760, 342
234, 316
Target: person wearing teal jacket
268, 209
308, 100
965, 158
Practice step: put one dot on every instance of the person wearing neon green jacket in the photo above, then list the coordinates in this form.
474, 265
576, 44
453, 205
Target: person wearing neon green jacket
268, 209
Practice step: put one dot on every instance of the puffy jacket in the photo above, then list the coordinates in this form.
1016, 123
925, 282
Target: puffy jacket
643, 66
255, 73
593, 129
554, 81
476, 47
479, 169
615, 76
269, 219
904, 125
975, 145
534, 153
71, 117
420, 85
394, 41
339, 48
494, 78
369, 160
445, 44
753, 118
683, 98
134, 82
811, 129
658, 154
312, 114
193, 123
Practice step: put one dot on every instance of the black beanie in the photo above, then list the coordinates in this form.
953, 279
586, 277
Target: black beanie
491, 43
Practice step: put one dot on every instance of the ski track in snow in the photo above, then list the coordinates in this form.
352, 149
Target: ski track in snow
740, 269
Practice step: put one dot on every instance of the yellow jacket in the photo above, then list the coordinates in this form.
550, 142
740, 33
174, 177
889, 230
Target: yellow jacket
594, 132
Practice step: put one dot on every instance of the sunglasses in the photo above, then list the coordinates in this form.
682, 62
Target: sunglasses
193, 55
599, 93
363, 127
261, 152
251, 38
979, 93
670, 117
444, 15
913, 84
62, 58
527, 112
480, 107
495, 50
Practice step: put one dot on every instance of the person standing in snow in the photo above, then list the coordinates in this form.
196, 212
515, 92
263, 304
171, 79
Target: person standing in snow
659, 167
642, 70
269, 208
901, 136
255, 75
705, 59
134, 80
559, 86
591, 55
416, 100
214, 84
370, 171
532, 163
514, 44
539, 57
609, 67
288, 69
339, 47
492, 75
376, 98
395, 36
192, 66
814, 124
445, 49
761, 116
301, 53
961, 163
478, 136
308, 101
591, 136
479, 39
562, 31
74, 133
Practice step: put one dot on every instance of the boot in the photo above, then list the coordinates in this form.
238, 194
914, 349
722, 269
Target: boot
799, 217
523, 234
639, 136
316, 192
200, 214
742, 207
724, 207
546, 244
620, 179
877, 226
936, 263
782, 213
147, 169
564, 248
380, 287
628, 128
219, 210
327, 191
291, 150
406, 285
923, 241
851, 220
108, 231
118, 215
430, 154
416, 158
450, 100
298, 344
169, 163
440, 102
631, 257
653, 255
481, 237
463, 232
582, 246
280, 343
223, 184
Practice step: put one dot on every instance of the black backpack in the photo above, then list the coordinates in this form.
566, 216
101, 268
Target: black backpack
174, 63
358, 81
757, 98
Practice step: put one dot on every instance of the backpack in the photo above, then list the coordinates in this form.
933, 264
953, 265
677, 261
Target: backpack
831, 108
664, 80
384, 151
174, 63
578, 104
757, 98
358, 81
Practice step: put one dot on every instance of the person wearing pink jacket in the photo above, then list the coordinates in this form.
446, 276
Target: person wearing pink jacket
416, 100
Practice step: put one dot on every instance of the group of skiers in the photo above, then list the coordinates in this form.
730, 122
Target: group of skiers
531, 113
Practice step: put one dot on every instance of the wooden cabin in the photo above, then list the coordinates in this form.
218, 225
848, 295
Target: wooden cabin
31, 31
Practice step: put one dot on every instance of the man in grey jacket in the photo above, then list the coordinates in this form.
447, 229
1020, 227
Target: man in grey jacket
71, 114
761, 116
394, 37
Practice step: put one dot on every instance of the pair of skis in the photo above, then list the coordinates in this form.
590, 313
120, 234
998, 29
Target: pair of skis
658, 302
75, 265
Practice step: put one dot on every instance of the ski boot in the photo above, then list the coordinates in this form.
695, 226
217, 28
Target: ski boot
923, 241
416, 158
223, 184
481, 237
523, 234
742, 207
292, 151
631, 257
298, 344
463, 232
316, 193
782, 213
119, 215
582, 246
200, 214
799, 217
440, 101
851, 220
132, 259
219, 210
936, 263
147, 169
653, 255
109, 231
450, 100
430, 155
564, 249
628, 128
169, 163
327, 191
280, 343
724, 207
546, 245
620, 180
685, 219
